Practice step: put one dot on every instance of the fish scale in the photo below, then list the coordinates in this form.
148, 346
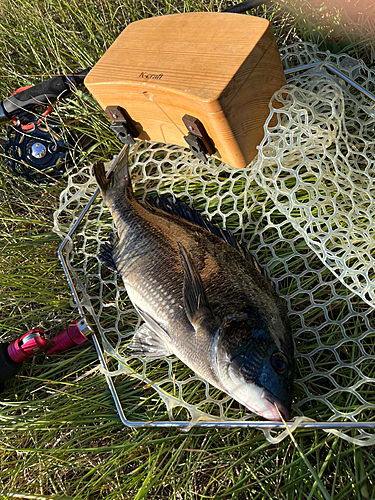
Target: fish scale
202, 298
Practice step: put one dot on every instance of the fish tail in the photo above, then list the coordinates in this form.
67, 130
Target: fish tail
119, 176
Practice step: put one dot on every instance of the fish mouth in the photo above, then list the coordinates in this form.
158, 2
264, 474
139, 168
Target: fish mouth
271, 408
275, 407
267, 405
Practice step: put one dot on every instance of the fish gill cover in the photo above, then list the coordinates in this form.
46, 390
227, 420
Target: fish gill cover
304, 207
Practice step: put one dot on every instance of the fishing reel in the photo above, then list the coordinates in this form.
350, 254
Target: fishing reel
37, 149
37, 146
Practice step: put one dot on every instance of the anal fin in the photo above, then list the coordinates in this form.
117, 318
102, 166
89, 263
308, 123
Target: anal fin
146, 343
150, 340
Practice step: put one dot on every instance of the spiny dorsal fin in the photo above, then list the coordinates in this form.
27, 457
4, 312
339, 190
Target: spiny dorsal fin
181, 209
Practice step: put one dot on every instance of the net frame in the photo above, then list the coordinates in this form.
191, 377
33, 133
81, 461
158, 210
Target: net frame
303, 54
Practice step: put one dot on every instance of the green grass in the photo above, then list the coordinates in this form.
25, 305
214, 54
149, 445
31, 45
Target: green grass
60, 435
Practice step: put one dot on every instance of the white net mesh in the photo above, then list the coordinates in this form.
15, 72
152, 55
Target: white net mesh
317, 164
304, 207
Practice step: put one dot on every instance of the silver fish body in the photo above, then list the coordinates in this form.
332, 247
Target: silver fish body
202, 299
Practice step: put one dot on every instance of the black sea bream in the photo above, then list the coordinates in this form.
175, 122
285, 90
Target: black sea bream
201, 295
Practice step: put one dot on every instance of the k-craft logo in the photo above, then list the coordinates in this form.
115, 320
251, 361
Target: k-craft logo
151, 76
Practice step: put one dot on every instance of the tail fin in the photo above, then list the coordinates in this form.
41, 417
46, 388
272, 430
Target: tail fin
118, 174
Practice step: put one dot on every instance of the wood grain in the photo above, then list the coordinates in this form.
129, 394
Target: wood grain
220, 68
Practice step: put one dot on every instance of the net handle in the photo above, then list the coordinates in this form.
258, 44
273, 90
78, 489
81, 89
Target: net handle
335, 71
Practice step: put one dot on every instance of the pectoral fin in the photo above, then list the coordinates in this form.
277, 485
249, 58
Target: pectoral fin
197, 306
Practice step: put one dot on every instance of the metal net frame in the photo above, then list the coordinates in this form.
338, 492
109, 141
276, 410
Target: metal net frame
304, 207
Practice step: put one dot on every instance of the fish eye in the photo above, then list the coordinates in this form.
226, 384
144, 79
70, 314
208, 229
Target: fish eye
279, 362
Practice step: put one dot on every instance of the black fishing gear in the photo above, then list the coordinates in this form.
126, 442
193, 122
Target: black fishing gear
37, 147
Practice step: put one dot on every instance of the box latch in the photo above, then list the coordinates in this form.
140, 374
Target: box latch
123, 126
198, 140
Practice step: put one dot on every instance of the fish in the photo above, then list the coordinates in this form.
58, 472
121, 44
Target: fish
201, 295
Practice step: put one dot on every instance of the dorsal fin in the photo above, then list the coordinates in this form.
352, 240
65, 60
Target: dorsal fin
181, 209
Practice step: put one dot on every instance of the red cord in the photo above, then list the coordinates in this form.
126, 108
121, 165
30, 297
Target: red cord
30, 126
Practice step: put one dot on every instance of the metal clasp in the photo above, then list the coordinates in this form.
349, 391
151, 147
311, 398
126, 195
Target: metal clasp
197, 139
123, 126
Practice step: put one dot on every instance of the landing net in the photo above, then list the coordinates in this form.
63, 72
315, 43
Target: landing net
304, 207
